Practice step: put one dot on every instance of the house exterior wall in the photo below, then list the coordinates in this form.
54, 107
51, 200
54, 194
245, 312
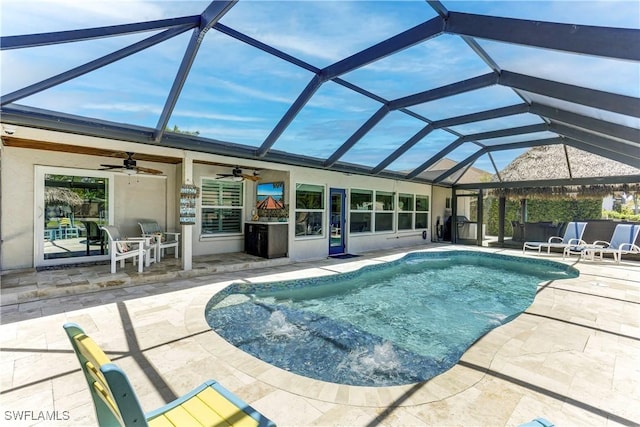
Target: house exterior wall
156, 198
306, 248
140, 198
17, 207
135, 198
203, 245
313, 248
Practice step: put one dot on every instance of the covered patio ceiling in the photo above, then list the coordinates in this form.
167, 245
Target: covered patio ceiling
380, 88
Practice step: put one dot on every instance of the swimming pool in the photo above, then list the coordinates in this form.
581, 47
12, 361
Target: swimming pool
396, 323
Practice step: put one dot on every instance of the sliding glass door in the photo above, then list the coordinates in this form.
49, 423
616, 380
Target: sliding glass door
71, 205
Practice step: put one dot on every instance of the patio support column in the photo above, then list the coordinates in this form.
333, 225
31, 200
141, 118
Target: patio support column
502, 208
454, 216
187, 230
480, 217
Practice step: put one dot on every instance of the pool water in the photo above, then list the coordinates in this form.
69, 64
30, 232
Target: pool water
398, 323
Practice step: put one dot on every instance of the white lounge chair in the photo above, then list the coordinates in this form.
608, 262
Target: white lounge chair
572, 237
138, 249
622, 242
163, 239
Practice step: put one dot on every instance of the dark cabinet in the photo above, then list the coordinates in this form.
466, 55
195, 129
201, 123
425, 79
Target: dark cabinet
268, 240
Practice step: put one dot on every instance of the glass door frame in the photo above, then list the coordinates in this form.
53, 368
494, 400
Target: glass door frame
39, 212
341, 225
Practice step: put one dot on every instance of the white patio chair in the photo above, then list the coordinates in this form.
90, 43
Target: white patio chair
622, 243
163, 239
572, 237
138, 249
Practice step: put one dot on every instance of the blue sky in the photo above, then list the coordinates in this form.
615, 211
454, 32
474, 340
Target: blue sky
237, 93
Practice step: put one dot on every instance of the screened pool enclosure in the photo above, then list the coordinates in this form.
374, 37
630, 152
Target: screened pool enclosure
384, 88
394, 117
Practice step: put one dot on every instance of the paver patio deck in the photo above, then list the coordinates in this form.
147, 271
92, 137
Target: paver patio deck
572, 357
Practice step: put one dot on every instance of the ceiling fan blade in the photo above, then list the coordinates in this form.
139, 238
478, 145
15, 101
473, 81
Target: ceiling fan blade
111, 166
251, 177
148, 170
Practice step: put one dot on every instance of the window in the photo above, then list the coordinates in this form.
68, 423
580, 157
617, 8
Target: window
406, 211
361, 205
422, 211
309, 210
384, 211
222, 206
380, 206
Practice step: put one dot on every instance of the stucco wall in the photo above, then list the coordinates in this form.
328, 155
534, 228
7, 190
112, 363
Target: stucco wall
136, 197
304, 248
18, 207
147, 197
219, 244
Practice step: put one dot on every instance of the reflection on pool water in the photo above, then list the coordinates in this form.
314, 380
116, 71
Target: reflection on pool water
396, 323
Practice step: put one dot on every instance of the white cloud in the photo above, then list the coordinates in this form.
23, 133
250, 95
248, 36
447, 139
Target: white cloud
123, 107
215, 116
255, 93
147, 108
236, 85
28, 16
582, 70
608, 13
253, 137
323, 32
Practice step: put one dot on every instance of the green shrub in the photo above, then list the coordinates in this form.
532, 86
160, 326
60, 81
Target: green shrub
563, 210
621, 215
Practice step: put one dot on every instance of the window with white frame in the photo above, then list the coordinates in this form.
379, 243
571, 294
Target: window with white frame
422, 211
222, 206
406, 211
310, 211
361, 207
384, 209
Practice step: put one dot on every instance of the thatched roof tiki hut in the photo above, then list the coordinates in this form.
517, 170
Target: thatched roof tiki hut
562, 172
561, 162
56, 196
